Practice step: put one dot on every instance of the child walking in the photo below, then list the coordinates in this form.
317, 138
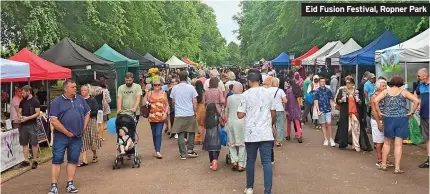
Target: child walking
212, 142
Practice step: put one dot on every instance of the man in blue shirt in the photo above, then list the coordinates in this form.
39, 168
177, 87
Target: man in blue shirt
69, 114
369, 89
423, 92
325, 105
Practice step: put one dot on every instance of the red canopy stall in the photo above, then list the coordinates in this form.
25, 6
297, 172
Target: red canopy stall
40, 69
186, 60
298, 61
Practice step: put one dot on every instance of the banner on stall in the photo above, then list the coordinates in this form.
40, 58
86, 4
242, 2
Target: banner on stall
390, 61
11, 151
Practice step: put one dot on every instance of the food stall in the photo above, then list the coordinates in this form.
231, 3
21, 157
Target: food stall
11, 151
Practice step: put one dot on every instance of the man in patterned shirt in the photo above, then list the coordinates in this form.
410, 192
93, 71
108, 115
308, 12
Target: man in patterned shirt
325, 105
258, 108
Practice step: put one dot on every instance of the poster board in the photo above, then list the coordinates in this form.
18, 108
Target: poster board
11, 151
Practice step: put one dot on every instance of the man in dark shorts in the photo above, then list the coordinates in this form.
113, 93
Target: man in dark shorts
422, 91
29, 111
69, 114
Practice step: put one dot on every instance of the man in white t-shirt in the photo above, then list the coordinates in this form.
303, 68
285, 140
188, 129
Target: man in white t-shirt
258, 109
184, 98
214, 73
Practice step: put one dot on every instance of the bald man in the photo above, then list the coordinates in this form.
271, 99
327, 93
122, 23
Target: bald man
214, 73
423, 92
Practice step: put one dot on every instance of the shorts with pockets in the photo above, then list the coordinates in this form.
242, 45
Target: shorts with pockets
424, 126
28, 134
377, 136
73, 145
396, 127
324, 118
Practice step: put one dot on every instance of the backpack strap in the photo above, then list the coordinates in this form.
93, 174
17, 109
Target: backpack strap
276, 93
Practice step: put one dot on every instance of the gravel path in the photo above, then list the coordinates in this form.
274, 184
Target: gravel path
299, 168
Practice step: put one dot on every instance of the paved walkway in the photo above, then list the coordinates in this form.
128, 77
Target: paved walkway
299, 168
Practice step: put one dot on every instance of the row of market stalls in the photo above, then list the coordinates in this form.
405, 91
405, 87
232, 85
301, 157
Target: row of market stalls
69, 60
385, 56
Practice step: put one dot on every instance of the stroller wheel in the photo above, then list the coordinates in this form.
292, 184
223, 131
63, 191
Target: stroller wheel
115, 165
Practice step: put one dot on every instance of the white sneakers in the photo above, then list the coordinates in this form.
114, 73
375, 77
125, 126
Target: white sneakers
332, 144
176, 136
325, 143
248, 191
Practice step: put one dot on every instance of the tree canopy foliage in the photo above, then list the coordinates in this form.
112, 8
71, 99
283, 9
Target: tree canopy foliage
161, 28
267, 28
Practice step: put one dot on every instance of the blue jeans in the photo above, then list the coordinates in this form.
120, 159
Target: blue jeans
157, 129
265, 148
61, 143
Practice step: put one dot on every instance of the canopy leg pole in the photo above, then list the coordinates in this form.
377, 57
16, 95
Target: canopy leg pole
11, 94
406, 75
356, 74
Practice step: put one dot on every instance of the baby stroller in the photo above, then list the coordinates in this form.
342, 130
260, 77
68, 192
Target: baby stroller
124, 120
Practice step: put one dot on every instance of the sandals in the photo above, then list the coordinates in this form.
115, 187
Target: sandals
383, 167
95, 159
240, 169
398, 171
82, 164
235, 167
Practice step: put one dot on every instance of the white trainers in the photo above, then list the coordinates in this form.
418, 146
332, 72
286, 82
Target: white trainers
248, 191
325, 143
332, 144
176, 136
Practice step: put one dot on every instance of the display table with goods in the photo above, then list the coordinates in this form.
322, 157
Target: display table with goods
11, 150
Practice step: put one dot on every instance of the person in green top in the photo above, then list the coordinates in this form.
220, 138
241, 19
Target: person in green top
307, 82
307, 107
129, 95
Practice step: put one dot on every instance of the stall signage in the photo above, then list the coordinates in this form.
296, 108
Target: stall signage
11, 151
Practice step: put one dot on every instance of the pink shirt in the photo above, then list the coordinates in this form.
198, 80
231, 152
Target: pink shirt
202, 79
13, 113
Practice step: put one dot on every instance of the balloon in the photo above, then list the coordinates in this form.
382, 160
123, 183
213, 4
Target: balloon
111, 126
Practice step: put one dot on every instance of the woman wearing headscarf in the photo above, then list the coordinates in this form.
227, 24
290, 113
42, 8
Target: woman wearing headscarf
293, 110
236, 129
201, 109
312, 87
350, 128
298, 79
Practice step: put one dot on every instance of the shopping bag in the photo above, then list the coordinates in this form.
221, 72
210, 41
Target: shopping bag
223, 136
414, 132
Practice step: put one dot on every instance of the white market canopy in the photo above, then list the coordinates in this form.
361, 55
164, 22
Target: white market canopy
349, 47
14, 69
326, 49
175, 62
414, 50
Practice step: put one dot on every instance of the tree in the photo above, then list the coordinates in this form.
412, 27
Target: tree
268, 28
234, 54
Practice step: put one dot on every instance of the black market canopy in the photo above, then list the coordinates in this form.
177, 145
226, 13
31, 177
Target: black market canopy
157, 63
83, 63
143, 62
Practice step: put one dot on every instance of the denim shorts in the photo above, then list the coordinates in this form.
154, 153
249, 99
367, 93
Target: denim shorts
324, 118
61, 143
396, 127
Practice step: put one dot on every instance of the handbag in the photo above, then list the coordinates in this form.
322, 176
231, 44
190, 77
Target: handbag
146, 108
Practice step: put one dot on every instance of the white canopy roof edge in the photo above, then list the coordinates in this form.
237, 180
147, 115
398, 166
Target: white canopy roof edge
349, 47
322, 52
13, 69
415, 49
175, 62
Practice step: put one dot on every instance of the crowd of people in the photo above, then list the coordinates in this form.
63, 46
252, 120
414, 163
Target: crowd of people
252, 105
